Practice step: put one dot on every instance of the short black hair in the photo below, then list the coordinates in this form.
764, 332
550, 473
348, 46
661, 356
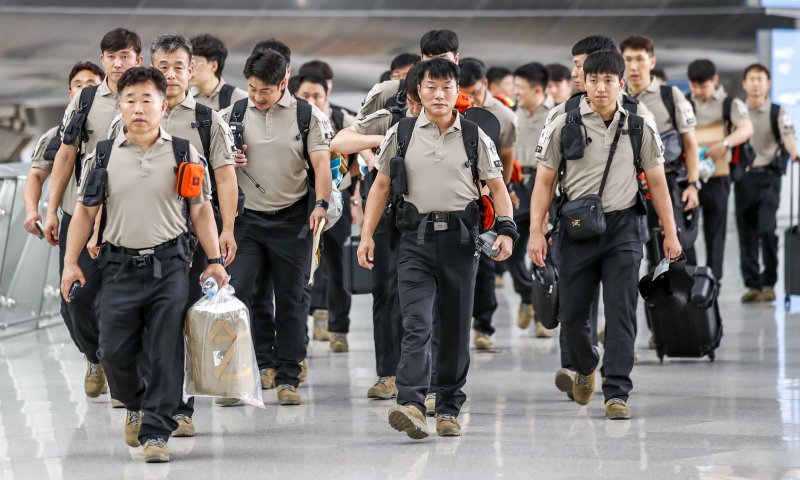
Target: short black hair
404, 60
593, 43
638, 42
604, 61
472, 71
534, 73
412, 82
276, 45
438, 42
137, 75
81, 66
318, 68
212, 49
557, 72
659, 73
293, 85
385, 76
170, 43
496, 74
756, 67
120, 39
439, 69
268, 66
701, 70
313, 78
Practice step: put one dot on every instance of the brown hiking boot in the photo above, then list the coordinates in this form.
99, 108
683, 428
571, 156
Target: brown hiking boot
409, 420
565, 378
767, 295
156, 451
226, 401
540, 331
303, 375
499, 281
601, 335
268, 378
133, 422
482, 341
524, 315
751, 296
651, 342
430, 404
583, 388
185, 426
116, 403
321, 326
447, 425
94, 383
339, 343
287, 395
617, 409
384, 389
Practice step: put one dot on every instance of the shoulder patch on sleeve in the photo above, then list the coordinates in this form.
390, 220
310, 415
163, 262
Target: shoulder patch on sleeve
741, 108
376, 89
373, 116
387, 140
38, 151
650, 123
786, 120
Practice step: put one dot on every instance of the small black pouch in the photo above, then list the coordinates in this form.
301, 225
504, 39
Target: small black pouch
573, 138
583, 218
397, 169
72, 134
94, 192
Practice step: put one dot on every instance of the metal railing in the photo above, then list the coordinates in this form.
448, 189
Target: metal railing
29, 293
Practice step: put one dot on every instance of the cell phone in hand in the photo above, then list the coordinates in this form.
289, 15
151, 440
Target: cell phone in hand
41, 228
74, 289
485, 242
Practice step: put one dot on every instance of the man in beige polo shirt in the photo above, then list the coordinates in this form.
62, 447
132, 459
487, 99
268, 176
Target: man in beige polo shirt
208, 62
145, 258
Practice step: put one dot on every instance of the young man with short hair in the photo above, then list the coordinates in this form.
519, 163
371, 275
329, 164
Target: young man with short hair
757, 195
208, 62
559, 84
401, 64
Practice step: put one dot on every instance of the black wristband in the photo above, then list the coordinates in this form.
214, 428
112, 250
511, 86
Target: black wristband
322, 203
508, 229
219, 260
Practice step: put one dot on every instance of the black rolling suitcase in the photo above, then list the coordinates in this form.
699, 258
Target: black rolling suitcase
684, 319
357, 279
791, 249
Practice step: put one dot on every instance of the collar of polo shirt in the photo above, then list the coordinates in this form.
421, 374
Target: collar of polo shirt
424, 121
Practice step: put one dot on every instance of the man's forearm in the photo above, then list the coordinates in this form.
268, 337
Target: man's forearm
542, 195
659, 195
205, 228
691, 153
63, 166
349, 141
507, 157
79, 229
376, 201
32, 192
322, 173
742, 133
228, 193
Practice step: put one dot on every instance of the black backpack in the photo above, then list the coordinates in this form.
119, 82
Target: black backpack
782, 155
52, 148
75, 132
99, 193
397, 103
225, 94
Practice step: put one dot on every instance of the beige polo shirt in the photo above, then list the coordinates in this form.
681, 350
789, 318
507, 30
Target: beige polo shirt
104, 108
377, 123
439, 178
529, 129
212, 101
584, 176
711, 125
178, 122
37, 159
378, 96
275, 153
763, 141
560, 109
684, 113
142, 207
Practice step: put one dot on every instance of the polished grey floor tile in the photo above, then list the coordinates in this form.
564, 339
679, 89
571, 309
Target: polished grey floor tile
738, 417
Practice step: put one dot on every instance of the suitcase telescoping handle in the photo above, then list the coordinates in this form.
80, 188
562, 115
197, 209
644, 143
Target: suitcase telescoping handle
791, 194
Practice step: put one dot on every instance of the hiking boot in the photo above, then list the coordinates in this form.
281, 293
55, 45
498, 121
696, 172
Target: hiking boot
482, 341
583, 388
525, 315
651, 342
133, 422
751, 296
565, 378
185, 426
156, 451
303, 375
268, 378
226, 401
499, 282
116, 403
321, 326
287, 395
95, 381
617, 409
541, 332
409, 420
767, 295
430, 404
339, 343
447, 425
384, 389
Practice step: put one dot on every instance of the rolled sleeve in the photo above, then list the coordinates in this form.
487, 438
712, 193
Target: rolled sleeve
489, 164
319, 132
652, 149
685, 119
222, 146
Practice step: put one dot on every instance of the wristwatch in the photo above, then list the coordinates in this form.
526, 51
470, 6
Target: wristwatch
726, 144
219, 260
321, 203
696, 184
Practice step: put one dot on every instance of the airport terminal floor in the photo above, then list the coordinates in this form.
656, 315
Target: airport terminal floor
738, 417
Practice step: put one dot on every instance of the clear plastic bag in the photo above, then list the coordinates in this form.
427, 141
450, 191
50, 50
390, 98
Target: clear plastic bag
220, 358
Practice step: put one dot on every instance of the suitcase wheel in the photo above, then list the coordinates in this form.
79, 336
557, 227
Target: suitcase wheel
711, 356
787, 302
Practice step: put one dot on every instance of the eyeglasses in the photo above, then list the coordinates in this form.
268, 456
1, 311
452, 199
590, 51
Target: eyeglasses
197, 64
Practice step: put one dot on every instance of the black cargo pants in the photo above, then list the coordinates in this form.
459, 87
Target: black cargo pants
714, 203
612, 259
757, 197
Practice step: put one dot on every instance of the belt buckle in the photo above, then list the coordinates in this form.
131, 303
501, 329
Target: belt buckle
439, 226
140, 261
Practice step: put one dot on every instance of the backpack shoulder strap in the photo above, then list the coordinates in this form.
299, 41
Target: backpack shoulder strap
573, 102
337, 117
405, 128
636, 132
52, 148
202, 122
726, 113
180, 147
87, 99
397, 101
774, 113
470, 134
669, 103
225, 94
688, 96
629, 103
572, 117
102, 152
304, 123
237, 113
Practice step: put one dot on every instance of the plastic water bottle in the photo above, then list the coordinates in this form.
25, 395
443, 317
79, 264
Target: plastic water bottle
210, 287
